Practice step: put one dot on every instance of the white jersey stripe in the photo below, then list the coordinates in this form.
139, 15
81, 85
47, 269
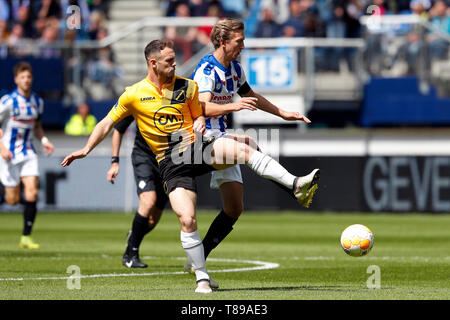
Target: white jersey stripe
223, 84
18, 115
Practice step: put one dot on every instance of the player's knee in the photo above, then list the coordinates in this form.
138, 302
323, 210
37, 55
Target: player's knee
251, 143
154, 216
234, 210
31, 196
243, 151
147, 202
145, 209
188, 223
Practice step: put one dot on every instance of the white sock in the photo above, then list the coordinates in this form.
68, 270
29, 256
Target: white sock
193, 246
268, 168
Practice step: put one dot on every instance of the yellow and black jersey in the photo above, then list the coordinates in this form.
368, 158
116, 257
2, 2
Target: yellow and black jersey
165, 118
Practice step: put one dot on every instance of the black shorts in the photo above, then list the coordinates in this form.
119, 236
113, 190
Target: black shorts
147, 176
183, 175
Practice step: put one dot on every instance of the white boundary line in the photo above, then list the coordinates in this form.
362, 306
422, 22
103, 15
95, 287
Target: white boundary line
260, 265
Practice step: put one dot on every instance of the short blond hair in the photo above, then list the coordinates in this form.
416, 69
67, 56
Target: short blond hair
224, 29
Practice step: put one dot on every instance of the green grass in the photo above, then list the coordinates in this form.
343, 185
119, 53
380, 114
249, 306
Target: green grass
411, 250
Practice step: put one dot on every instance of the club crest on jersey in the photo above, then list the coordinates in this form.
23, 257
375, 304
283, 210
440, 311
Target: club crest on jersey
204, 82
168, 119
179, 96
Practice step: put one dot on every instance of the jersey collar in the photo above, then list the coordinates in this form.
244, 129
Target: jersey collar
26, 98
164, 86
219, 65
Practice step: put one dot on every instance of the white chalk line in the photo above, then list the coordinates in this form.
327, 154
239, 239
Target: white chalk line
260, 265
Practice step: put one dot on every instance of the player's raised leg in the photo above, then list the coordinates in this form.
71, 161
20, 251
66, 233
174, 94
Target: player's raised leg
183, 203
226, 152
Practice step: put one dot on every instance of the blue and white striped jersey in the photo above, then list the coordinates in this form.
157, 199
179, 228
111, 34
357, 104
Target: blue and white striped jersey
223, 83
18, 116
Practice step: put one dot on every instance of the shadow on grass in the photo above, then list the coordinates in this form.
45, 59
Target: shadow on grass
298, 288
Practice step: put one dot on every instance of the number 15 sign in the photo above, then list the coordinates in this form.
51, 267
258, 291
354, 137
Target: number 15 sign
270, 70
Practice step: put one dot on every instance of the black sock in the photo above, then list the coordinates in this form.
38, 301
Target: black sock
29, 214
219, 229
139, 229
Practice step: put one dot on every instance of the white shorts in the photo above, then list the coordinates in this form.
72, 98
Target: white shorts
10, 174
226, 175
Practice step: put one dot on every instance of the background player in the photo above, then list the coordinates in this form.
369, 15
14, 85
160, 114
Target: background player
152, 198
20, 113
220, 77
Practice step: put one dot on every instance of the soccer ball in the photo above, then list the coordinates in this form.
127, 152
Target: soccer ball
357, 240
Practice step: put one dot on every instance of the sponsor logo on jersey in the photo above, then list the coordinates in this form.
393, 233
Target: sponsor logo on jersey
168, 119
222, 98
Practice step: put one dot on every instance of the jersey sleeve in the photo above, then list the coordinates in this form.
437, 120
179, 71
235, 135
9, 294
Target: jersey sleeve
41, 106
122, 108
242, 77
194, 104
205, 80
5, 106
243, 86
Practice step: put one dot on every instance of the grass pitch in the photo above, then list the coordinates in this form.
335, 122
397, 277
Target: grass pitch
282, 256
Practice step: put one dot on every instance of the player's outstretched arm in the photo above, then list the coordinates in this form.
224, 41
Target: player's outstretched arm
99, 133
267, 106
215, 110
115, 149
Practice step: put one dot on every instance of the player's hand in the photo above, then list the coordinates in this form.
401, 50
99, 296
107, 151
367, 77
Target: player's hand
248, 103
293, 116
199, 125
48, 147
73, 156
6, 154
1, 133
112, 172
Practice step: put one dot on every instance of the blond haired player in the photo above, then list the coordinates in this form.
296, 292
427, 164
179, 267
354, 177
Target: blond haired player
220, 78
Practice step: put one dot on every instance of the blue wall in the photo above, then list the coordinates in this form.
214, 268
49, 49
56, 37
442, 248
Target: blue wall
48, 73
399, 102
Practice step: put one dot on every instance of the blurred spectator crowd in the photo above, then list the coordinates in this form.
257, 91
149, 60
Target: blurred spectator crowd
315, 18
47, 28
50, 23
47, 22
